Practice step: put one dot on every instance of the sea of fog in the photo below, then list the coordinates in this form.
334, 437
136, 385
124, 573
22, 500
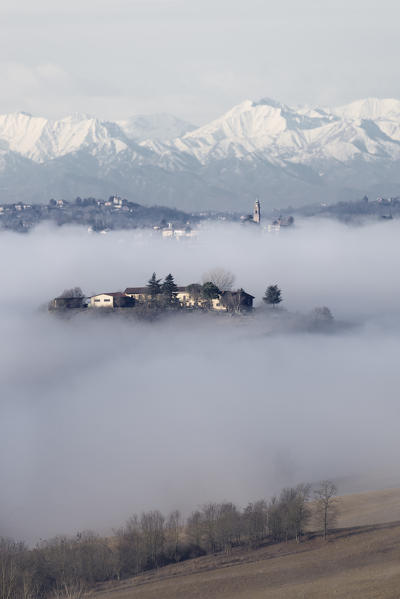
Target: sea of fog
104, 417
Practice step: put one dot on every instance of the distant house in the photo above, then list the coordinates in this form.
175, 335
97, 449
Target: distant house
190, 297
140, 294
171, 233
68, 303
276, 225
118, 202
115, 299
236, 301
186, 296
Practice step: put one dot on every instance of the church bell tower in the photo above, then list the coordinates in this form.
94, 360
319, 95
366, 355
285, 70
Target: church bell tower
257, 212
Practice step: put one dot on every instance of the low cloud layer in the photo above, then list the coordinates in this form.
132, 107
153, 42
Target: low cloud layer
101, 417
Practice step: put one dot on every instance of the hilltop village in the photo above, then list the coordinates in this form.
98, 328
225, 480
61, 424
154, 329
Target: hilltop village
156, 297
116, 213
99, 216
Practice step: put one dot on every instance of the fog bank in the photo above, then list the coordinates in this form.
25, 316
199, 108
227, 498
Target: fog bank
103, 417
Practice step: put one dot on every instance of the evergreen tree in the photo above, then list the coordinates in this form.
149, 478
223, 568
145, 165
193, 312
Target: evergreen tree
154, 285
210, 290
169, 289
273, 295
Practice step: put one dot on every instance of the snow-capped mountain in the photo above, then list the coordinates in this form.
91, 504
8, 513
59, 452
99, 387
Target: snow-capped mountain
280, 134
281, 154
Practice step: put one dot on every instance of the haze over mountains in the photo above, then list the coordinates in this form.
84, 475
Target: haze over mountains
282, 154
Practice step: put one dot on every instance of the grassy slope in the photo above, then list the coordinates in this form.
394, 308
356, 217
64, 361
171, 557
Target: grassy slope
359, 562
374, 507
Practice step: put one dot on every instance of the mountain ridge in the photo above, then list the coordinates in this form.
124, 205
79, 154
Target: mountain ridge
282, 154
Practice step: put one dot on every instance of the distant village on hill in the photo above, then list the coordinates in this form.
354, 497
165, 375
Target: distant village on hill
96, 214
116, 213
158, 297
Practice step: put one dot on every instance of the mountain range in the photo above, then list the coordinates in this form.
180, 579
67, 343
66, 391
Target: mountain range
283, 155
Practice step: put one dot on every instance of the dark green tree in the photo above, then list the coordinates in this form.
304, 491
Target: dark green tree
169, 289
154, 285
210, 291
273, 295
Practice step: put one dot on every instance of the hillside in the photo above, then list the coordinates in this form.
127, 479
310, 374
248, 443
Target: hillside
374, 507
357, 562
285, 155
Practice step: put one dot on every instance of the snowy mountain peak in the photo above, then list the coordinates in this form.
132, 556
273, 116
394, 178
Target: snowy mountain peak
245, 121
268, 102
255, 146
42, 139
370, 108
281, 134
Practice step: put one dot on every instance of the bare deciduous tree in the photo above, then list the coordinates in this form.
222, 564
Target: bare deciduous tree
173, 528
294, 510
210, 517
9, 567
70, 590
194, 527
222, 278
326, 508
152, 526
74, 292
228, 526
255, 522
130, 548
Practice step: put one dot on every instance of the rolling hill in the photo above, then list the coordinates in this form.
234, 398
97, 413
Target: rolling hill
359, 561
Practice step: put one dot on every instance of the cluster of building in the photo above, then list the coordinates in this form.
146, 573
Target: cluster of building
280, 222
273, 227
170, 231
188, 297
98, 215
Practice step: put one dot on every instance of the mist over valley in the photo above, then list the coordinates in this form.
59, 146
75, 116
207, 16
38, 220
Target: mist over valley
200, 299
103, 417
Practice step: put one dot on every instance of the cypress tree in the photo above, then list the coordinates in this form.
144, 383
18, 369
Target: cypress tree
154, 285
169, 289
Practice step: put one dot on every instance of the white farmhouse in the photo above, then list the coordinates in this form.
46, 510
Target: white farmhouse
106, 300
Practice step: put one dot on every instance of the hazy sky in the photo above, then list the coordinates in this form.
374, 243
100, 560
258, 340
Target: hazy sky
193, 59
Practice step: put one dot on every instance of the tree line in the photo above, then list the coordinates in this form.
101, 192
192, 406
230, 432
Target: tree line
67, 567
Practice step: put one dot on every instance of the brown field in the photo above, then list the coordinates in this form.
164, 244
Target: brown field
359, 561
375, 507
